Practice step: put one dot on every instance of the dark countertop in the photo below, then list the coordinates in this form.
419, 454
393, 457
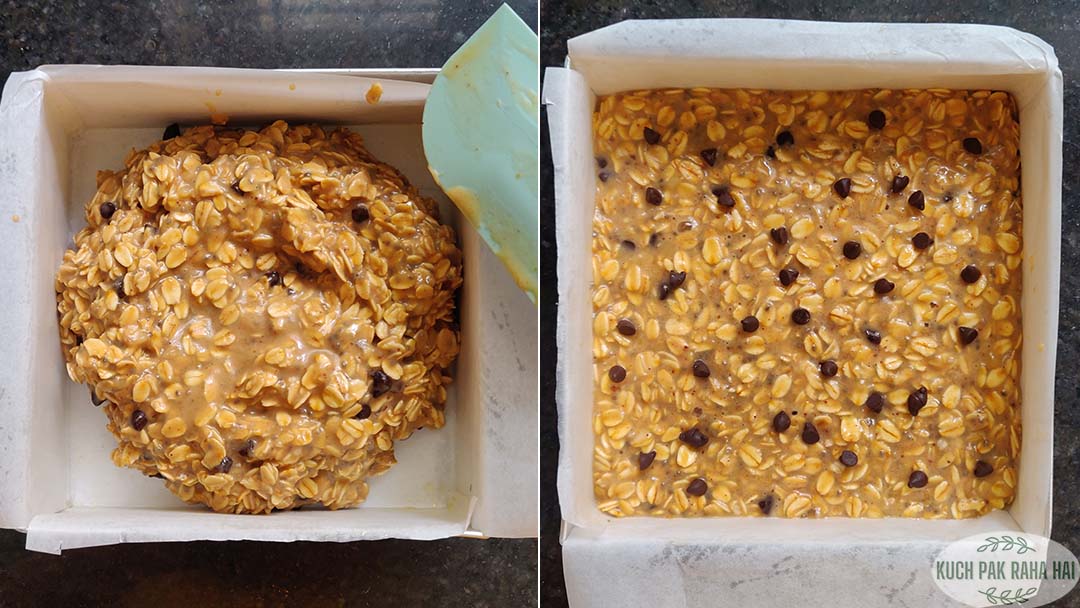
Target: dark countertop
1056, 22
263, 34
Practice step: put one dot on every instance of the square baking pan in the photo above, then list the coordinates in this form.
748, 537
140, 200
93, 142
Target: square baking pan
58, 126
829, 561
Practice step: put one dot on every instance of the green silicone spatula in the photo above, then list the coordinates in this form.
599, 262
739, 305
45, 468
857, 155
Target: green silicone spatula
481, 138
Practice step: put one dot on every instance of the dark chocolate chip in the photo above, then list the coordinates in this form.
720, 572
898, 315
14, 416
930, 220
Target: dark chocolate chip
849, 458
709, 156
676, 279
788, 276
723, 197
800, 316
380, 383
983, 468
663, 290
770, 152
922, 240
883, 286
917, 200
693, 438
916, 401
629, 245
750, 324
138, 420
843, 187
875, 402
785, 138
917, 479
617, 373
852, 249
876, 120
273, 278
967, 335
107, 209
899, 183
224, 465
601, 162
651, 136
364, 413
171, 131
603, 176
970, 274
701, 369
626, 327
653, 196
779, 235
118, 286
766, 504
248, 448
654, 239
873, 335
781, 422
973, 145
645, 460
828, 368
360, 214
698, 487
810, 434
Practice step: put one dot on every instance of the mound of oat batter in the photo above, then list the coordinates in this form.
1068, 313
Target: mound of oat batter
261, 314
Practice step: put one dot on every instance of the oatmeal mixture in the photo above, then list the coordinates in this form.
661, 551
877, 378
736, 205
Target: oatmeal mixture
806, 303
261, 315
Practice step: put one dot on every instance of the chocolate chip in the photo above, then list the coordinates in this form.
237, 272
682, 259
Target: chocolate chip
875, 402
916, 401
693, 438
629, 245
118, 286
899, 183
676, 279
970, 274
709, 156
380, 383
653, 196
107, 209
852, 250
770, 152
723, 197
698, 487
766, 504
617, 373
779, 235
917, 479
785, 138
364, 413
603, 176
273, 278
781, 422
917, 200
967, 335
663, 289
651, 136
849, 458
810, 434
626, 327
701, 369
922, 240
360, 214
94, 398
171, 131
601, 162
800, 316
983, 468
654, 239
788, 276
224, 465
973, 145
828, 368
645, 460
248, 448
883, 286
873, 335
750, 324
842, 187
876, 120
138, 420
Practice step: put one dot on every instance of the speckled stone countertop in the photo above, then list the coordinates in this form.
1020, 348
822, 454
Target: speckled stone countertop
260, 34
1056, 22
